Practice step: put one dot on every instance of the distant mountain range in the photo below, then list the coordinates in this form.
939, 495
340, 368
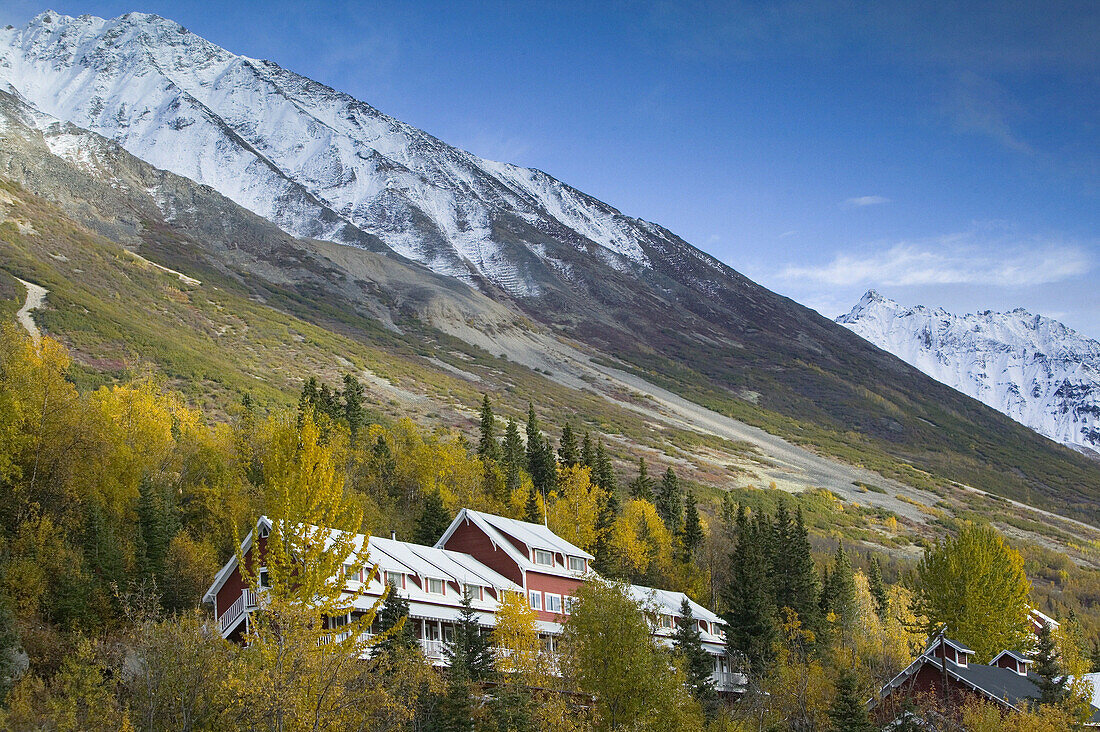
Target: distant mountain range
1034, 369
300, 199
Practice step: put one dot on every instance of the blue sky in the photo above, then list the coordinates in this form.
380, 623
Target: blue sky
944, 153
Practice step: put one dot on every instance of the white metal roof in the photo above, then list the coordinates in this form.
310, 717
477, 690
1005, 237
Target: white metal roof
535, 536
669, 602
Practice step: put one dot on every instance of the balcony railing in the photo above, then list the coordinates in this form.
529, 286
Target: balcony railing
728, 680
243, 604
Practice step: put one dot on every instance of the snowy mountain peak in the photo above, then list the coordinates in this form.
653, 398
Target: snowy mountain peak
1032, 368
313, 160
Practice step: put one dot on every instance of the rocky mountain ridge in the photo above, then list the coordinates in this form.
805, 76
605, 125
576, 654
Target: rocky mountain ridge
1032, 368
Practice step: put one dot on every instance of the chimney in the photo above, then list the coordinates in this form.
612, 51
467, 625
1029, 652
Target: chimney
393, 534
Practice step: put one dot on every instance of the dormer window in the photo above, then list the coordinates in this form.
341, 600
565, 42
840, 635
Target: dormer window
397, 579
473, 592
435, 586
544, 558
576, 564
264, 531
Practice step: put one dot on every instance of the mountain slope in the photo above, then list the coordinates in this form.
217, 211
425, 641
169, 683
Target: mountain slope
630, 294
1034, 369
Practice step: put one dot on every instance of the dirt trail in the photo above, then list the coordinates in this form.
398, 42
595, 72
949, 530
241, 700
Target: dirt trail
36, 295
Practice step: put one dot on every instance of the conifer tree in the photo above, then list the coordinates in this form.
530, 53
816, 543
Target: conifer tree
531, 512
588, 453
395, 610
692, 536
456, 709
670, 501
540, 456
847, 712
752, 624
1052, 680
605, 471
487, 447
698, 665
468, 642
511, 449
158, 523
353, 405
642, 486
605, 519
842, 588
327, 401
383, 466
432, 521
878, 589
793, 571
568, 455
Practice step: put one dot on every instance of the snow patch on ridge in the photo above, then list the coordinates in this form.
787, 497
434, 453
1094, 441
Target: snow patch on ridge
1033, 369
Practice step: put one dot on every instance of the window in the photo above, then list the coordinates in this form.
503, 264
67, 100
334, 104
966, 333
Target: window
553, 603
567, 603
536, 600
544, 558
264, 580
264, 532
397, 579
350, 572
576, 564
435, 586
339, 621
473, 592
665, 621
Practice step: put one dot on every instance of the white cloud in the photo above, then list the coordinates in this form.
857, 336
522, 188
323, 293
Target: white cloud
955, 259
860, 201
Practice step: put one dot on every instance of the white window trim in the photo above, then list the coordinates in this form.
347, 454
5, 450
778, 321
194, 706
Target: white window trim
442, 585
535, 553
547, 596
569, 563
567, 604
535, 598
399, 574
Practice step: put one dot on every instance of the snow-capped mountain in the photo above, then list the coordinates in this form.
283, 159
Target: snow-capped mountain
315, 161
1034, 369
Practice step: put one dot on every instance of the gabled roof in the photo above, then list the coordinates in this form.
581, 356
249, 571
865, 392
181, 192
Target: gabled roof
668, 602
393, 556
425, 561
1013, 654
534, 536
228, 567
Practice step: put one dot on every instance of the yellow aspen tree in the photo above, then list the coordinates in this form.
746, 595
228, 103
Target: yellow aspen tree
515, 640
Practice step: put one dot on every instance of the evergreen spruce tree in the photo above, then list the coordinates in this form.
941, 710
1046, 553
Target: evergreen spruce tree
698, 664
605, 471
383, 465
847, 712
670, 501
1052, 681
642, 486
468, 642
568, 455
158, 523
511, 450
456, 709
432, 521
531, 512
487, 447
540, 456
752, 622
692, 536
878, 589
588, 453
804, 584
394, 609
328, 402
842, 588
353, 405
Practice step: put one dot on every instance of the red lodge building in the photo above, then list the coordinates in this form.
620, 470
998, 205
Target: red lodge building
481, 556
